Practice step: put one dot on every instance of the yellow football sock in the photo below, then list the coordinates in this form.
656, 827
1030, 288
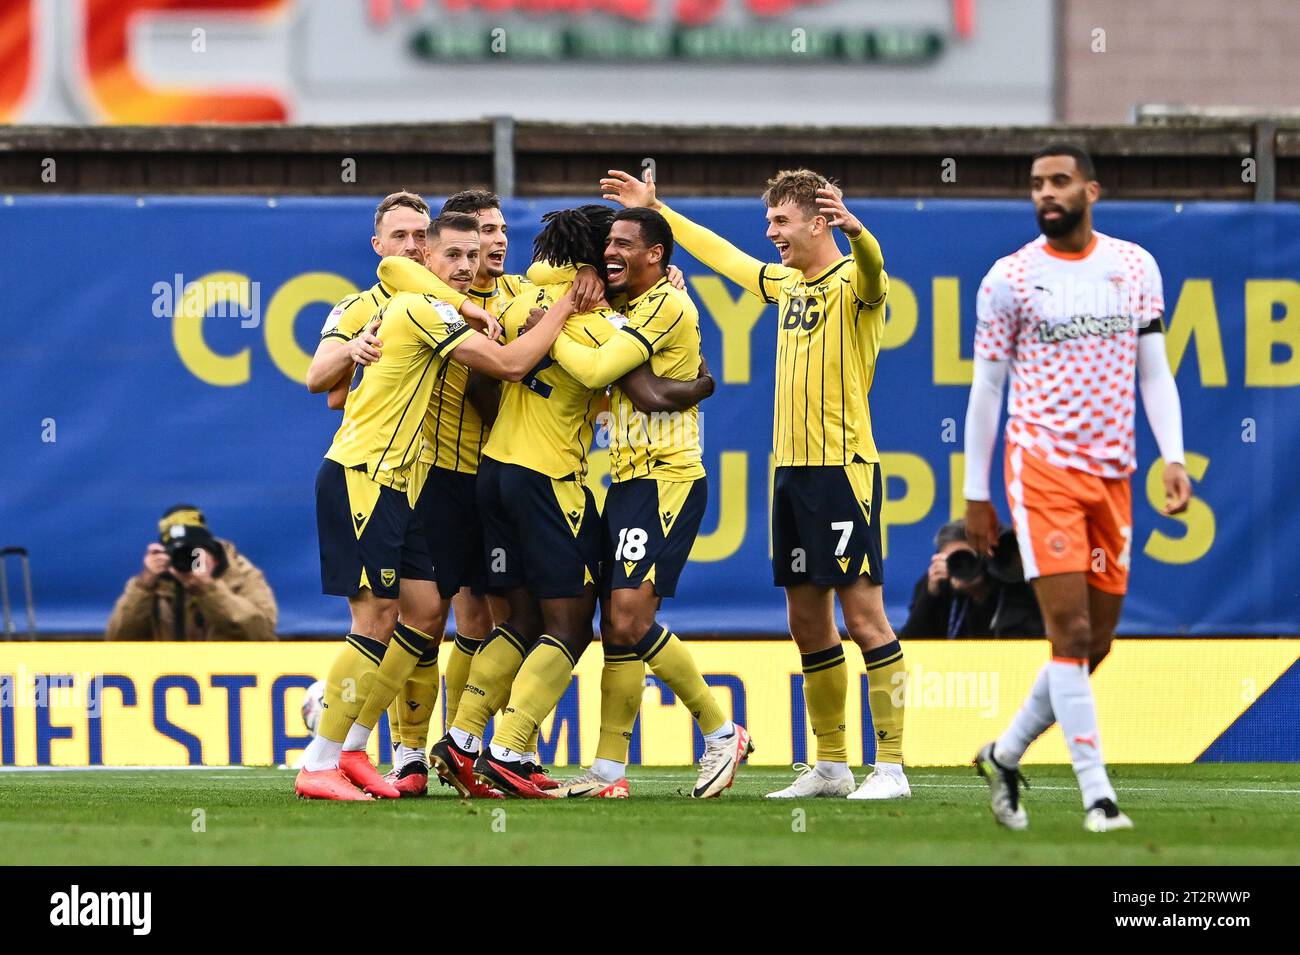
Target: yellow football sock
622, 682
825, 689
348, 684
886, 686
404, 651
669, 660
532, 740
538, 686
418, 698
487, 686
459, 661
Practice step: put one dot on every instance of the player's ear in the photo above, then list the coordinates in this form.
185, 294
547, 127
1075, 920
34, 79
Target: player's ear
1093, 190
374, 244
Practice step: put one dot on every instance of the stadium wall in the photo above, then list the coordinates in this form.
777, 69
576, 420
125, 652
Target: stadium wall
1160, 701
123, 398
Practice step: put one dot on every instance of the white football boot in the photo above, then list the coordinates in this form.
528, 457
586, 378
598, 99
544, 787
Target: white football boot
719, 763
1004, 789
812, 784
884, 783
1104, 816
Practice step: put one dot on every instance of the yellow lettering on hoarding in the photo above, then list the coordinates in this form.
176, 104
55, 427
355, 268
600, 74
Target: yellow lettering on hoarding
900, 315
1262, 333
917, 499
215, 288
1196, 316
949, 367
956, 486
1198, 519
732, 486
289, 301
736, 319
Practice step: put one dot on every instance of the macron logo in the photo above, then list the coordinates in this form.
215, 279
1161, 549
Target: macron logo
103, 908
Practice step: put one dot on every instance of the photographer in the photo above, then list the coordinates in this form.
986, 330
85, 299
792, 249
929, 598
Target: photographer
193, 587
964, 595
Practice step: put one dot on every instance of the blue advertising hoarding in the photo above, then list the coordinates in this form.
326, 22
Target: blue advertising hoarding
118, 403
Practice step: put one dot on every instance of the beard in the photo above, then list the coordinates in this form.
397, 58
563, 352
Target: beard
1054, 228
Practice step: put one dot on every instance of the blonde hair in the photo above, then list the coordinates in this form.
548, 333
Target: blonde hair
800, 187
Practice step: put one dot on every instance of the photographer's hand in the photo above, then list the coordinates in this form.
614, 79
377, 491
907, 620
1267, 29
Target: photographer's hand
155, 564
937, 574
199, 576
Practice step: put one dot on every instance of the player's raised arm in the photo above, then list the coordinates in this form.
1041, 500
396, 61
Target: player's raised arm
513, 361
869, 280
707, 246
404, 275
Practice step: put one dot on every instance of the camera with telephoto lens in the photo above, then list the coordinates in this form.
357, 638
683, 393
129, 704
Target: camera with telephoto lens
966, 566
183, 543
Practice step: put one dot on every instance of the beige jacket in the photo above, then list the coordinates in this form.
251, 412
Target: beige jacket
238, 606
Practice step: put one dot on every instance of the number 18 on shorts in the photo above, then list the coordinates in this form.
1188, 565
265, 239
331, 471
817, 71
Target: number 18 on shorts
650, 528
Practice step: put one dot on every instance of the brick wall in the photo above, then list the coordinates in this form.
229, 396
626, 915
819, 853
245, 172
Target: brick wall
1189, 52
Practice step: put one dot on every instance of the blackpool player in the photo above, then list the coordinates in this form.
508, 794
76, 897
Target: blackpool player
828, 486
1072, 316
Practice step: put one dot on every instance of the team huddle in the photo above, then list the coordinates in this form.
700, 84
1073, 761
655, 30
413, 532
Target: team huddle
458, 479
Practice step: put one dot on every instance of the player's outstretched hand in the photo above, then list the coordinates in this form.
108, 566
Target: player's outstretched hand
629, 191
1178, 488
676, 279
588, 289
837, 213
981, 526
366, 348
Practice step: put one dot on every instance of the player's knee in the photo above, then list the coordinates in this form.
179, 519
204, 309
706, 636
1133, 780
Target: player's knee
868, 630
375, 619
431, 620
621, 629
1070, 633
474, 619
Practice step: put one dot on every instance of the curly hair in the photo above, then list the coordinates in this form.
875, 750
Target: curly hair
800, 187
570, 236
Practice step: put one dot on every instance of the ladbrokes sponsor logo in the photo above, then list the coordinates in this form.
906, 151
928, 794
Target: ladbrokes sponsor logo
74, 908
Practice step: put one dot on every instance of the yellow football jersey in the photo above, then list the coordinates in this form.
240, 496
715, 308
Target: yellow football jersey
383, 415
546, 421
454, 431
351, 315
662, 327
828, 339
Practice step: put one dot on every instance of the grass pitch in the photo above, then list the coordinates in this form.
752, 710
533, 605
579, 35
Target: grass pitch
1209, 814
